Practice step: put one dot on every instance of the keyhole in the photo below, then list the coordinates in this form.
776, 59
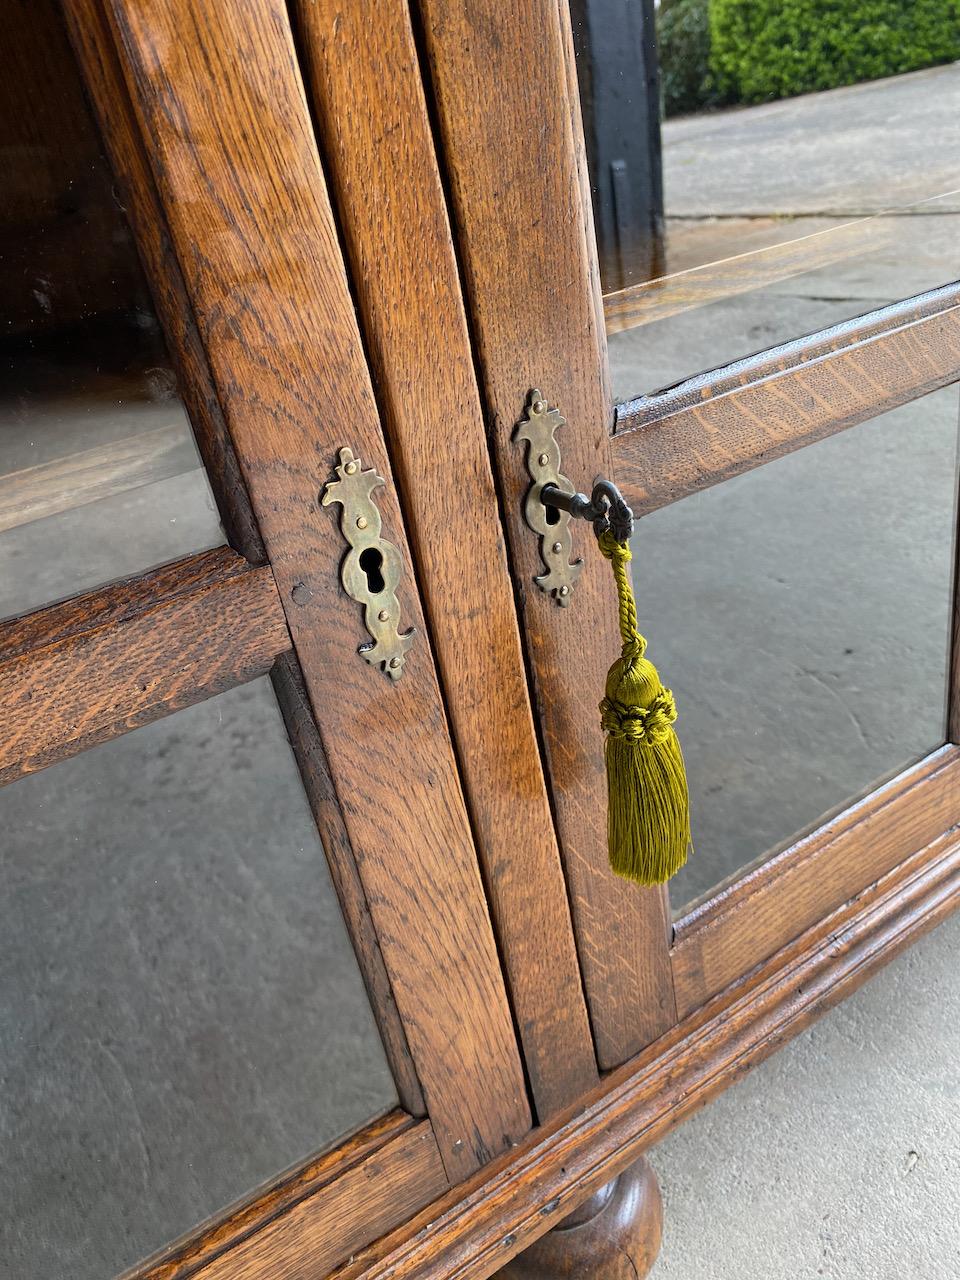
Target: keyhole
552, 515
371, 562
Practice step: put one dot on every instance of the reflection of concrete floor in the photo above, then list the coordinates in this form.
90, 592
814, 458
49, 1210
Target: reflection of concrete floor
73, 433
800, 612
839, 1157
854, 150
181, 1015
736, 181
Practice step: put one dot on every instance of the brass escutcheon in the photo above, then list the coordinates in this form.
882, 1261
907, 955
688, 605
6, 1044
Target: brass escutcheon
372, 567
538, 427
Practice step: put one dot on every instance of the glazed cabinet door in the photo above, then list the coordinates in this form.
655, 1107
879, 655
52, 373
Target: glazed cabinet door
803, 613
244, 984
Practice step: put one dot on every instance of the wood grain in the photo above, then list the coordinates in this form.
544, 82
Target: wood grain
79, 673
319, 1213
222, 112
761, 914
513, 154
953, 679
615, 1235
671, 295
724, 423
470, 1234
111, 104
380, 157
92, 36
305, 740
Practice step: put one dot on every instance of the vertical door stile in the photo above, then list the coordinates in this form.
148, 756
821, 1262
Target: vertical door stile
374, 129
953, 668
104, 83
224, 120
520, 199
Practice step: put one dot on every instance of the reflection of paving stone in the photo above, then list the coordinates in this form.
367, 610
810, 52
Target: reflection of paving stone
853, 150
840, 1156
181, 1014
923, 253
800, 613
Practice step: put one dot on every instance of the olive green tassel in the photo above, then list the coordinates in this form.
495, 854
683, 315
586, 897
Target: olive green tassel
648, 815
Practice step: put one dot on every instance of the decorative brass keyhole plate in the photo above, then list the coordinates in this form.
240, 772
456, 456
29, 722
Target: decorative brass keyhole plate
372, 567
538, 427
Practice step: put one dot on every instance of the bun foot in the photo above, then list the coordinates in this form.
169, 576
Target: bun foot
615, 1235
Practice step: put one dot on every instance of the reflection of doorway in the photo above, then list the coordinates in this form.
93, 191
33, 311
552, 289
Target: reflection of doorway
620, 99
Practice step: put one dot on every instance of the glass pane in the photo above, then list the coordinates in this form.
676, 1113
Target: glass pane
99, 474
757, 210
801, 614
181, 1013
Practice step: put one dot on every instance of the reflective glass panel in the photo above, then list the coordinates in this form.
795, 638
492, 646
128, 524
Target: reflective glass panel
99, 474
181, 1012
801, 614
737, 207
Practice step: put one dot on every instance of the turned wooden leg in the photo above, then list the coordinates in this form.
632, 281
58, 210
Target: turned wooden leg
615, 1235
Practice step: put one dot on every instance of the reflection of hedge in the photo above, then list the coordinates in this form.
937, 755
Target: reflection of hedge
683, 41
764, 49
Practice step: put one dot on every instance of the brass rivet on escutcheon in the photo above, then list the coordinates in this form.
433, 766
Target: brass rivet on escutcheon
361, 522
384, 615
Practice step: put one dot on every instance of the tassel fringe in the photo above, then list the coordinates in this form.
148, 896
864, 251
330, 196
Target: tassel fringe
648, 809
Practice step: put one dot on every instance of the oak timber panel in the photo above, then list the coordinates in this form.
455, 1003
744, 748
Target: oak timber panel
305, 740
75, 674
512, 139
470, 1234
372, 116
724, 423
223, 115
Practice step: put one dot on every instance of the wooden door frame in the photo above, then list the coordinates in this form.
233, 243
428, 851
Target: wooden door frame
375, 137
359, 1211
83, 671
661, 448
766, 955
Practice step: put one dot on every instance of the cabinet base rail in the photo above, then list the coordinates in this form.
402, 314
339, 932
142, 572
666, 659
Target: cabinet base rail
476, 1228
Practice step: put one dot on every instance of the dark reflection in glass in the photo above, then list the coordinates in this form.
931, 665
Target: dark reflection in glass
734, 224
801, 614
181, 1012
99, 474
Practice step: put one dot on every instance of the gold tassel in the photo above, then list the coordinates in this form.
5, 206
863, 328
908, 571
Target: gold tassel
648, 814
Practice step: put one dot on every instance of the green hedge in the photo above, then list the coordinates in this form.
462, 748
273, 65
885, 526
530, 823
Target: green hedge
761, 49
683, 43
